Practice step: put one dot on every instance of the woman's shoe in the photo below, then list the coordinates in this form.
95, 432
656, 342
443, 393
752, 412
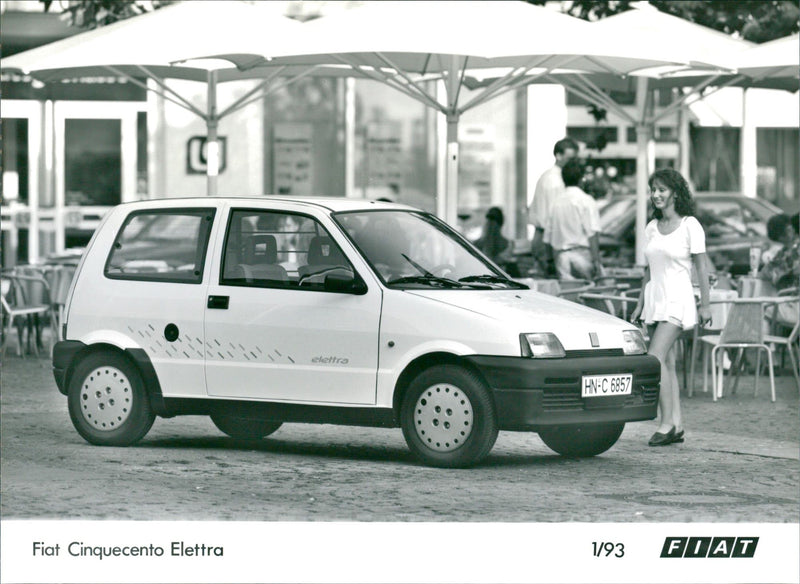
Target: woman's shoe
678, 437
660, 439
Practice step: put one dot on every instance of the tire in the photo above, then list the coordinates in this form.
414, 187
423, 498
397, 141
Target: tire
244, 428
108, 403
582, 441
448, 417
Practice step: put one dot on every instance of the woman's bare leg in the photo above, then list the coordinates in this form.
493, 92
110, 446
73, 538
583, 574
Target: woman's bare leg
662, 341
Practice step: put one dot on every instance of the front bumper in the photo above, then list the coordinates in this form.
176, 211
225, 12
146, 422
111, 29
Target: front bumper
534, 393
63, 355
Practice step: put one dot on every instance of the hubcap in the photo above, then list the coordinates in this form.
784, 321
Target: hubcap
106, 398
443, 417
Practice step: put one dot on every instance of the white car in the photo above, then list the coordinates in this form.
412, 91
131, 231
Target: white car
260, 311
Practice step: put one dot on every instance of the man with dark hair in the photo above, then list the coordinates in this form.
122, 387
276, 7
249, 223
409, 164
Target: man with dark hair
549, 187
572, 228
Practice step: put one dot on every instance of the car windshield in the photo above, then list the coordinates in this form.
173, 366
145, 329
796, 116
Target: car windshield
410, 249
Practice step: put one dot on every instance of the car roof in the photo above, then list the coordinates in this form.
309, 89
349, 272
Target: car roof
332, 204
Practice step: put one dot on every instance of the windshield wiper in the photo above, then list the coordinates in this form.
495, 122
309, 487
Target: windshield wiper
492, 279
427, 279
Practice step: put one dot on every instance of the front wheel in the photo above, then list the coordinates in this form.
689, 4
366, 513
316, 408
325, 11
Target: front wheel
244, 428
107, 400
582, 441
448, 417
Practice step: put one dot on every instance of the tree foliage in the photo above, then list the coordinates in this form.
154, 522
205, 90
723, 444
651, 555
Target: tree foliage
95, 13
754, 20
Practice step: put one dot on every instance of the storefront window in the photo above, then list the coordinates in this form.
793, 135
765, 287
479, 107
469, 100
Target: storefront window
778, 171
395, 146
15, 160
93, 161
491, 166
715, 158
305, 138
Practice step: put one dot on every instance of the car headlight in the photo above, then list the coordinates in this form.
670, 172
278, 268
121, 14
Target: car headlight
541, 345
633, 343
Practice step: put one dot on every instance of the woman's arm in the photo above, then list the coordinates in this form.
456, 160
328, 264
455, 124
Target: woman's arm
701, 266
637, 310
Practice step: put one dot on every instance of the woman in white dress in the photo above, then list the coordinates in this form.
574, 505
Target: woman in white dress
674, 240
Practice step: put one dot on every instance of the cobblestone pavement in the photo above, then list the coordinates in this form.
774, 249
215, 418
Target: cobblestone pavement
739, 463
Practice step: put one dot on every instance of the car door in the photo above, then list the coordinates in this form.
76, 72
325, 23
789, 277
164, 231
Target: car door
143, 284
272, 330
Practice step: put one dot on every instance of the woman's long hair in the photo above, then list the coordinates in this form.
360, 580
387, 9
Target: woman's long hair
674, 181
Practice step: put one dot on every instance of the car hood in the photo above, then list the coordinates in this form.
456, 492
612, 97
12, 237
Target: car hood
527, 311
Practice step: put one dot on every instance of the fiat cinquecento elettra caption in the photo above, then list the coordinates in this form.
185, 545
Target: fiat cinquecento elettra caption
261, 311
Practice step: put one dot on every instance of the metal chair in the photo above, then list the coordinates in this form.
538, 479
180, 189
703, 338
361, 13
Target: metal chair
744, 329
785, 315
26, 298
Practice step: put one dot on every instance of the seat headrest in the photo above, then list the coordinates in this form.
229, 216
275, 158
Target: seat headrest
262, 249
323, 251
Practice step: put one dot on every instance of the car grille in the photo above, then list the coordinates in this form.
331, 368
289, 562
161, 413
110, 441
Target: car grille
564, 393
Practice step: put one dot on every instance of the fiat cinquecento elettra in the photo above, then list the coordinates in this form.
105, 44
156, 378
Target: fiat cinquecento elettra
261, 311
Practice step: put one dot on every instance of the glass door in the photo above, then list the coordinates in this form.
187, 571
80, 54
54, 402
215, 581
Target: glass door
19, 159
96, 165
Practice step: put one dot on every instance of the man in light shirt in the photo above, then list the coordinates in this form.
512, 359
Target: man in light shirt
572, 228
549, 187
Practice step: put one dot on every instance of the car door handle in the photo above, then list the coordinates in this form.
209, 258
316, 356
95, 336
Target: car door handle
219, 302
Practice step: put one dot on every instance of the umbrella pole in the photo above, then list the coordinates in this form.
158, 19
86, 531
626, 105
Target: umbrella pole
451, 190
645, 159
212, 142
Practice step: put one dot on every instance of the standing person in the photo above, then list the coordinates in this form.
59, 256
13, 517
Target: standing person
572, 228
549, 187
674, 240
782, 267
782, 270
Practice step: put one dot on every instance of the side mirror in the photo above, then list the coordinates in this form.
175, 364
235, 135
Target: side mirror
345, 282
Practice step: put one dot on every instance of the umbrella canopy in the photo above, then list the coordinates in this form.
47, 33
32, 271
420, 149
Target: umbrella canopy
417, 37
399, 43
740, 63
158, 40
403, 43
772, 61
170, 43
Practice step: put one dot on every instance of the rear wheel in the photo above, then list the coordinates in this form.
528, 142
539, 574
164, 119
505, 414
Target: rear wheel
107, 400
582, 441
448, 417
244, 428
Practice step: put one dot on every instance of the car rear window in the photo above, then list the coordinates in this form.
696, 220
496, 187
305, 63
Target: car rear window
163, 245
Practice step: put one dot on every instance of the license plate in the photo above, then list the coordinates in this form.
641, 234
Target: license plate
603, 385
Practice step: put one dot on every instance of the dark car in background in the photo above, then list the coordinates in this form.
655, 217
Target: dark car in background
733, 223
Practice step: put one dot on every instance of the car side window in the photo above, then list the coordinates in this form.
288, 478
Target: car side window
271, 249
161, 245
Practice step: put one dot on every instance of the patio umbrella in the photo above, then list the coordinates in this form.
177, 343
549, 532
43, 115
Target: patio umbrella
170, 43
404, 43
399, 43
648, 26
776, 61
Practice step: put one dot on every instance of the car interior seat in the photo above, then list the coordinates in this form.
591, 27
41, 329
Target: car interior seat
260, 261
324, 256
